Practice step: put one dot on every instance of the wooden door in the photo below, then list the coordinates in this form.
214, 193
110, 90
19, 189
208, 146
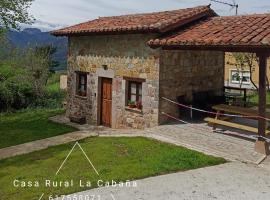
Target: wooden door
106, 102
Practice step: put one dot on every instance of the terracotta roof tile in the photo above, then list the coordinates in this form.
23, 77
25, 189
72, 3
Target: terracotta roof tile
245, 30
154, 22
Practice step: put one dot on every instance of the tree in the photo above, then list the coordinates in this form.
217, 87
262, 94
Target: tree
49, 50
37, 63
246, 59
14, 12
24, 76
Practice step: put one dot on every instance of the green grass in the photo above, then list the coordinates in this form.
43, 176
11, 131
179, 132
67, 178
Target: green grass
53, 87
254, 99
117, 159
29, 125
53, 84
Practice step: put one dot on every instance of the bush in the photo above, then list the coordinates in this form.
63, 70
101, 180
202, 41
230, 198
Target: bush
52, 99
17, 92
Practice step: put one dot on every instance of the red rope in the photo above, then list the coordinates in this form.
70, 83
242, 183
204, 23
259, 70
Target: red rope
179, 120
204, 129
215, 113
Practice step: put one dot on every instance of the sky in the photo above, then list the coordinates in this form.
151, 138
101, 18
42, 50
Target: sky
54, 14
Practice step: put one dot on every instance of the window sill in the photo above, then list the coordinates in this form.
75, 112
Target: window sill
232, 82
81, 97
135, 110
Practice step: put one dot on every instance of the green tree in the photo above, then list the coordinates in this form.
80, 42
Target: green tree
23, 78
49, 50
36, 62
14, 12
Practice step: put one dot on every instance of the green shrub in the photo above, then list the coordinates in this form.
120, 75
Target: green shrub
17, 92
52, 99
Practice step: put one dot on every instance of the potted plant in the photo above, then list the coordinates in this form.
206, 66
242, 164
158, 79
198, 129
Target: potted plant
131, 104
139, 105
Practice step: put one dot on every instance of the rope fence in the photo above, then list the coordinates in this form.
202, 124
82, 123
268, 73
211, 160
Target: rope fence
198, 127
215, 113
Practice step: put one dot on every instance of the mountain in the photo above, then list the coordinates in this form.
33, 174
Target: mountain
35, 37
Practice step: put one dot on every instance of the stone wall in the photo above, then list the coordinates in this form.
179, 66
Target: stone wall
63, 81
187, 72
124, 55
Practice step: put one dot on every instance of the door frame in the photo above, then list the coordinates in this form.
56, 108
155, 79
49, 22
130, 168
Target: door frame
100, 99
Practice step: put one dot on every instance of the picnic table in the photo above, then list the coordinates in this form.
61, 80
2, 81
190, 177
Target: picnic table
234, 110
236, 96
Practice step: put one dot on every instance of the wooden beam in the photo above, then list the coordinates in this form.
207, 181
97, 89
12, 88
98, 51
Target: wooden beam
262, 92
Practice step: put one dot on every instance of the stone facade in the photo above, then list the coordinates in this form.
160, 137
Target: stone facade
183, 73
125, 56
165, 73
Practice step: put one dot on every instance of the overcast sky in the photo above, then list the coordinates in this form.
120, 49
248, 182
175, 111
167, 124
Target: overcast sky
53, 14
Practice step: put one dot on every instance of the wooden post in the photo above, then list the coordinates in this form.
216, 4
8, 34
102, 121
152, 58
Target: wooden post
261, 145
262, 93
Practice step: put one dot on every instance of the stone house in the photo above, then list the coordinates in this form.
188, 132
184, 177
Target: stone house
116, 79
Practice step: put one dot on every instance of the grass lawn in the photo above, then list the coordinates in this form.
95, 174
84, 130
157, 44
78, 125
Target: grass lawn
54, 87
114, 158
29, 125
255, 99
53, 84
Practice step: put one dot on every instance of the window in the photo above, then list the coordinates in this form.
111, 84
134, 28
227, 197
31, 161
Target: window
81, 83
134, 94
239, 77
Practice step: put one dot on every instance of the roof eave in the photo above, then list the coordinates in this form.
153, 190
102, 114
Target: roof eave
224, 48
207, 47
109, 32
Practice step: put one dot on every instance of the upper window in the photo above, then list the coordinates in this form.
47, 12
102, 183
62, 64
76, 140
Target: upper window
134, 94
240, 77
81, 83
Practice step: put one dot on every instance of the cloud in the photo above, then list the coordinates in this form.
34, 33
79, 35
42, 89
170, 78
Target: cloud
51, 14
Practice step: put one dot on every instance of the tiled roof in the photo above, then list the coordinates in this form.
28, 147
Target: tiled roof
246, 30
149, 22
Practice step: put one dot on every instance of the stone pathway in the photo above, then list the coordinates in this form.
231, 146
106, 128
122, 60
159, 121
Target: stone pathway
43, 144
198, 137
229, 181
85, 131
201, 139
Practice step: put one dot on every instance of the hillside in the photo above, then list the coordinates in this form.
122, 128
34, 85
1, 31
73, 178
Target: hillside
35, 37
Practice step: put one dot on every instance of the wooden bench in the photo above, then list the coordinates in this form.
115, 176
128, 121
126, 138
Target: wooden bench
238, 110
224, 120
232, 125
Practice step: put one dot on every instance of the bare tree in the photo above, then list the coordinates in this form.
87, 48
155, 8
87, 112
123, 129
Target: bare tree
246, 59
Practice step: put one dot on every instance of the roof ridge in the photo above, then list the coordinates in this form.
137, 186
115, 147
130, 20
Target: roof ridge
153, 13
139, 23
245, 15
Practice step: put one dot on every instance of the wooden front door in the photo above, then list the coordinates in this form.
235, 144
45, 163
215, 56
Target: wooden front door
106, 102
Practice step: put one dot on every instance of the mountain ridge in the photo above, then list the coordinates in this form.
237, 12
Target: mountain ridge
35, 37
